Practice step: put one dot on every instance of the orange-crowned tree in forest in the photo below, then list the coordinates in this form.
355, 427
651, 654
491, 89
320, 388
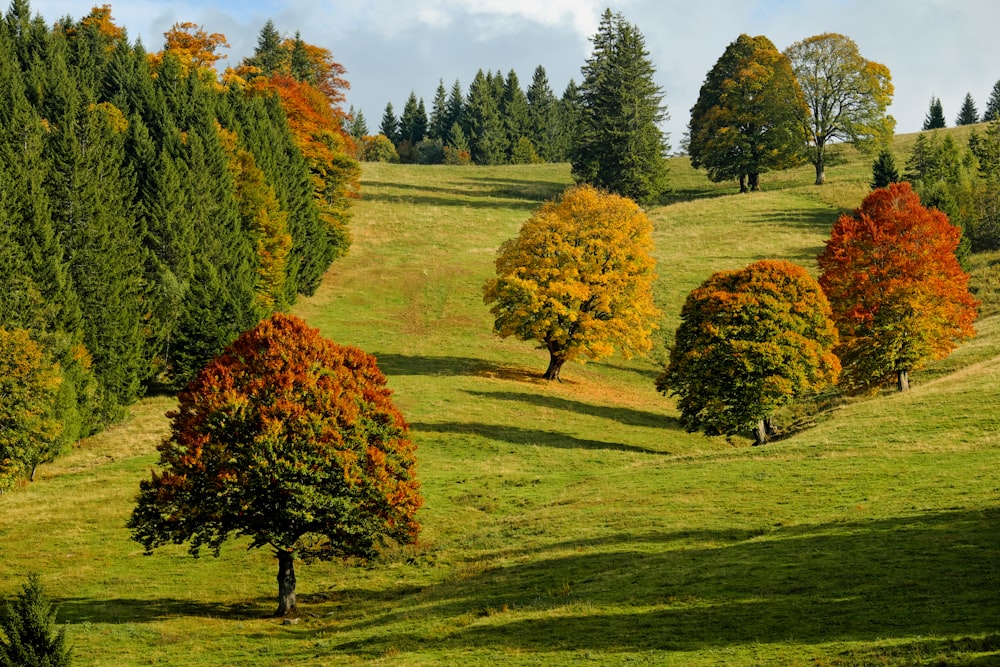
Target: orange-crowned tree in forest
899, 296
578, 279
292, 441
195, 49
749, 342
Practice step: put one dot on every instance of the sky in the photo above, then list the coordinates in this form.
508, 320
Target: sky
933, 48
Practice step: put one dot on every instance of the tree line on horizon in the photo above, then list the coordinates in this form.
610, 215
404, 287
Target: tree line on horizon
151, 211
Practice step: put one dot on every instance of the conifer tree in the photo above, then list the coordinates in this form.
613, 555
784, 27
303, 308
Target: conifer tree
413, 122
486, 132
455, 108
967, 115
935, 115
268, 56
618, 145
390, 125
436, 127
993, 104
30, 630
567, 122
514, 112
884, 170
542, 119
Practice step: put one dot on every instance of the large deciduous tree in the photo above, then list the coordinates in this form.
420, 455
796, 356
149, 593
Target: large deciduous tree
750, 115
289, 440
847, 96
617, 144
899, 296
749, 342
578, 279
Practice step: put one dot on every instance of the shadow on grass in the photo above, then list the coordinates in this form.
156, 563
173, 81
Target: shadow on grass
515, 435
403, 364
127, 610
476, 193
626, 416
934, 575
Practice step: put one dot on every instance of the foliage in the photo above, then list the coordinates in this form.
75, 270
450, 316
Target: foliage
29, 637
992, 111
487, 138
389, 126
617, 144
847, 96
577, 279
413, 122
899, 296
750, 115
288, 439
934, 120
28, 385
968, 114
749, 342
884, 170
379, 149
194, 48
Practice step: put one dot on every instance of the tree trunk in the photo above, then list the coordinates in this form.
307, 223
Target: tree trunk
556, 362
820, 172
743, 183
286, 583
761, 434
754, 182
903, 380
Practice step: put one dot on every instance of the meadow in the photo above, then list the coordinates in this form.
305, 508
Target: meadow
572, 522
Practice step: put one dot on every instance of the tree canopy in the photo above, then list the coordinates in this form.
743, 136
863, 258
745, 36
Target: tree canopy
288, 439
618, 145
749, 342
847, 96
750, 115
899, 296
578, 279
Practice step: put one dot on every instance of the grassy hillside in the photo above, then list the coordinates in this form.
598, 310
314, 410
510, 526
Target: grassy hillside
576, 522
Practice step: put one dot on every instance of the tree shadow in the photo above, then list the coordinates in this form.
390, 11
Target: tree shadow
403, 364
135, 610
515, 435
922, 576
627, 416
491, 193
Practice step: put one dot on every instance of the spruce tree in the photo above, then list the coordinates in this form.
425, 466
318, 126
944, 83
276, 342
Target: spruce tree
618, 145
934, 119
436, 127
487, 137
568, 112
359, 126
268, 56
389, 126
542, 119
993, 104
514, 112
455, 109
968, 115
29, 636
884, 170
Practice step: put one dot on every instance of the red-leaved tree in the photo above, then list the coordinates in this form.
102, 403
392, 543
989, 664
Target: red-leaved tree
292, 441
899, 296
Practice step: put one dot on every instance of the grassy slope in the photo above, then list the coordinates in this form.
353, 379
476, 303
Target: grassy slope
574, 522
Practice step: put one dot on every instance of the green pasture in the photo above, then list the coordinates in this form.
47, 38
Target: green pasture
571, 523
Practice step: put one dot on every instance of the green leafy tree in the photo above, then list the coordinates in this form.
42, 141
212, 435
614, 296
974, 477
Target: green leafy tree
884, 170
380, 149
992, 111
750, 341
289, 440
750, 115
29, 385
934, 120
847, 96
898, 294
617, 143
968, 114
578, 279
29, 637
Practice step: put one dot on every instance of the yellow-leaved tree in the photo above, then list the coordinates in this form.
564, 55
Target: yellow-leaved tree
578, 279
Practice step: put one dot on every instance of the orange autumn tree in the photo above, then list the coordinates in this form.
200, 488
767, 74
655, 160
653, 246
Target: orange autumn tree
749, 342
292, 441
899, 296
195, 49
578, 279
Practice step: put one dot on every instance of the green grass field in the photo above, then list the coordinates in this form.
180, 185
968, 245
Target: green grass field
571, 523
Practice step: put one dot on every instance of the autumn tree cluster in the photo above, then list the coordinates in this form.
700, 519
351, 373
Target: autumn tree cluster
152, 209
